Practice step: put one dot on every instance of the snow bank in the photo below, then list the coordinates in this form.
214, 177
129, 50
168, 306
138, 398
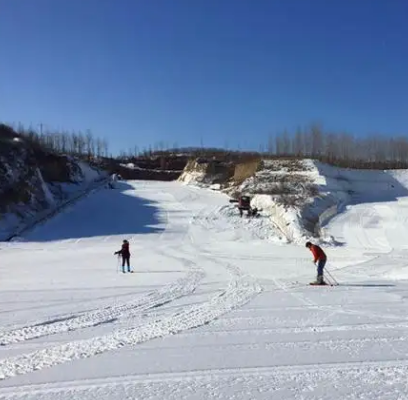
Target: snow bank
82, 176
193, 177
89, 173
285, 220
27, 198
319, 193
339, 187
47, 193
302, 196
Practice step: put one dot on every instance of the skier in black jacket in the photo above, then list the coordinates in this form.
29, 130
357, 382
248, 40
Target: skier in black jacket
125, 253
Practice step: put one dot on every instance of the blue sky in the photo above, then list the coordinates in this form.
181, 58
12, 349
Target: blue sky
216, 72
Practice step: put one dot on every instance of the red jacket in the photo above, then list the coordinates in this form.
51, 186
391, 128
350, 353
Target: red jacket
318, 253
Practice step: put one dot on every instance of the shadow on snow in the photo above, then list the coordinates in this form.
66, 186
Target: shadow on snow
108, 212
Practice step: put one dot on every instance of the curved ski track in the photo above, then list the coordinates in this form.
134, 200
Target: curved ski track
240, 289
155, 298
238, 292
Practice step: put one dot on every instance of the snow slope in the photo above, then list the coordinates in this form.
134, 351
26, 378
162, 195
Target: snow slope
213, 309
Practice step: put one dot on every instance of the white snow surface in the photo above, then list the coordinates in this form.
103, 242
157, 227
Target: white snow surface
218, 306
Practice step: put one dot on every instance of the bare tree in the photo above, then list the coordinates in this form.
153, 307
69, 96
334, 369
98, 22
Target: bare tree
89, 144
271, 145
279, 146
331, 147
317, 140
286, 143
105, 147
298, 146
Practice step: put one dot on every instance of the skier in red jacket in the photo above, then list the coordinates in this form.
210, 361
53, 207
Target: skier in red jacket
320, 257
125, 253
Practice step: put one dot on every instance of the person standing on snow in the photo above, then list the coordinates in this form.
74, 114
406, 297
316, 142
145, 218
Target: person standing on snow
125, 253
320, 257
113, 180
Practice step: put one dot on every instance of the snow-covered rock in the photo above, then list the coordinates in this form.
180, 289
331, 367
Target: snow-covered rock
34, 182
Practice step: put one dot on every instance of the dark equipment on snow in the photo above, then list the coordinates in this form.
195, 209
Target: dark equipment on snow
244, 204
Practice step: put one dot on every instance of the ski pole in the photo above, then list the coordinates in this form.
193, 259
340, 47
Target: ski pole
329, 281
332, 277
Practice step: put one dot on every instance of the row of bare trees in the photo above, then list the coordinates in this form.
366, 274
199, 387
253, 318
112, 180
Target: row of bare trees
343, 149
74, 143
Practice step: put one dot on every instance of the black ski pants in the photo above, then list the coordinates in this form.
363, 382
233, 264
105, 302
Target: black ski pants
125, 260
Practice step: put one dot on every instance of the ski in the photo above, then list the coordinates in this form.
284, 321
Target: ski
320, 284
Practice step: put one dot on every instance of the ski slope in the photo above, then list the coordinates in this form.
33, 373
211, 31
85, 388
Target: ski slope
213, 310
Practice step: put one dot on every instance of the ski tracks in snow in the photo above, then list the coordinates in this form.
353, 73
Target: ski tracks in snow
332, 310
238, 292
263, 383
156, 298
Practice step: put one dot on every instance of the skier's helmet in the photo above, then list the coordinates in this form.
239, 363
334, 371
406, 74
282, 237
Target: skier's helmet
308, 244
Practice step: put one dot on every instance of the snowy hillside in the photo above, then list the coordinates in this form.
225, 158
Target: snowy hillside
213, 310
300, 196
34, 183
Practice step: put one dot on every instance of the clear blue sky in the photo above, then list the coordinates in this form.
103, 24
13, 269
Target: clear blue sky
217, 71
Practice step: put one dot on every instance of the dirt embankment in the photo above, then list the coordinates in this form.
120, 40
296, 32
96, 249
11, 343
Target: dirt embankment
226, 174
159, 168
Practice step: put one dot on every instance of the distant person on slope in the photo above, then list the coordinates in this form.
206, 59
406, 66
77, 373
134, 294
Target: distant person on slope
125, 253
320, 257
113, 180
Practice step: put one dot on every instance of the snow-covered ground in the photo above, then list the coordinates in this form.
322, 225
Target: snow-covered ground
216, 308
